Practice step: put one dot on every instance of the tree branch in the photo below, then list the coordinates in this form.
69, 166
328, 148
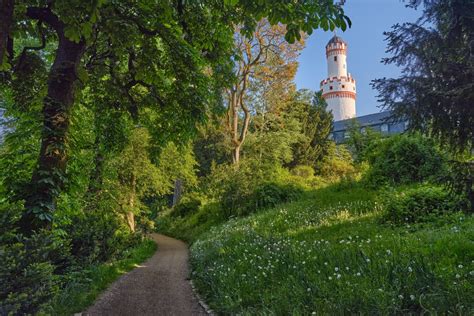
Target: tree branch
46, 16
26, 48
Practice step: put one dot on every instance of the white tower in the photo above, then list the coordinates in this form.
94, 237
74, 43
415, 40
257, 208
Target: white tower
339, 89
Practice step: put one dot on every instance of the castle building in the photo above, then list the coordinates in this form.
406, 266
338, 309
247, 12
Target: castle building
382, 122
339, 89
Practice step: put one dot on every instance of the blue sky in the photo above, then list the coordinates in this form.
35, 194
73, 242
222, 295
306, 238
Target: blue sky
370, 18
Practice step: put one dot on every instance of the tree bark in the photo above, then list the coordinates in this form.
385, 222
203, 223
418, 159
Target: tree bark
49, 176
178, 190
6, 18
236, 155
131, 204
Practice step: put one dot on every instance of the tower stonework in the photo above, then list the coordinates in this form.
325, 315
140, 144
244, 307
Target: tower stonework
339, 89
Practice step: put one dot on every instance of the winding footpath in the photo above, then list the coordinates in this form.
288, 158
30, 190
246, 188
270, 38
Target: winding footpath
158, 286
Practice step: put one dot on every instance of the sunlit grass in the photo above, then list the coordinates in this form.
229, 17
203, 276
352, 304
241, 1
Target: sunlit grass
329, 254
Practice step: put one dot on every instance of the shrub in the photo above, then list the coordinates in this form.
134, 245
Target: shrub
337, 164
98, 236
253, 185
26, 273
189, 205
305, 172
420, 204
271, 194
404, 159
264, 196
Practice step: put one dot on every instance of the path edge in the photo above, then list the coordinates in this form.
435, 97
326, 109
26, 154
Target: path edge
201, 302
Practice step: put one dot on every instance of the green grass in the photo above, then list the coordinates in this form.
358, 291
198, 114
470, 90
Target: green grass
329, 254
84, 287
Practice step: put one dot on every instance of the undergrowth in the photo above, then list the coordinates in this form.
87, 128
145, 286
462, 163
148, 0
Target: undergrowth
330, 253
83, 287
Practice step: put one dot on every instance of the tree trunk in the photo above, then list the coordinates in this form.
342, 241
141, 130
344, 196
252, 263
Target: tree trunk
49, 176
236, 155
131, 221
6, 14
131, 204
178, 190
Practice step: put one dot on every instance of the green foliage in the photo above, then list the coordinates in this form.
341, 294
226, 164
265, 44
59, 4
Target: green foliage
267, 195
98, 236
460, 178
328, 254
112, 91
178, 163
435, 91
303, 171
405, 159
187, 206
244, 190
337, 164
26, 272
420, 204
81, 288
361, 142
316, 123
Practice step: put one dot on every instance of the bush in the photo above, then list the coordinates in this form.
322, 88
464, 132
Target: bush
26, 272
188, 206
305, 172
98, 236
251, 186
271, 194
404, 159
420, 204
26, 275
337, 164
264, 196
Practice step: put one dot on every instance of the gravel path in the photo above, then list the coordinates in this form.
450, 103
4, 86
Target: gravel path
159, 286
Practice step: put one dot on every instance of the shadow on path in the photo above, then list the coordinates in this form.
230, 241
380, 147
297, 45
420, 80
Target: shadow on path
158, 286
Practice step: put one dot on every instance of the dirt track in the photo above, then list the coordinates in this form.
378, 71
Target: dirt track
158, 287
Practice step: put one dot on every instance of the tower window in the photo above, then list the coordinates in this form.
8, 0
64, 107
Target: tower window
343, 86
330, 87
335, 58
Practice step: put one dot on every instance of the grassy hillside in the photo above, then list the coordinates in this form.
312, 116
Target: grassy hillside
329, 253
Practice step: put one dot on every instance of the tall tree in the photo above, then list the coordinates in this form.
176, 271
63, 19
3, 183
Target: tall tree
436, 89
253, 56
150, 54
316, 124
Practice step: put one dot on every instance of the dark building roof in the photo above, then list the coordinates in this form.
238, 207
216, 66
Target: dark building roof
336, 39
379, 122
366, 120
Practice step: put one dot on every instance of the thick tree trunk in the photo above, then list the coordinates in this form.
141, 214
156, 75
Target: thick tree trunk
6, 18
49, 176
